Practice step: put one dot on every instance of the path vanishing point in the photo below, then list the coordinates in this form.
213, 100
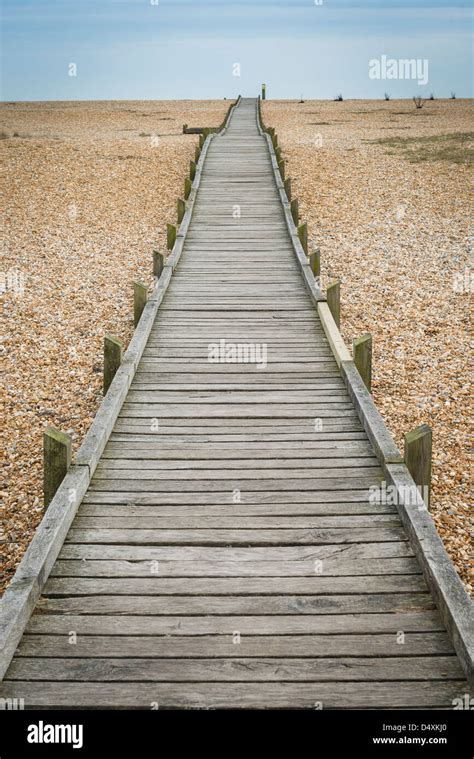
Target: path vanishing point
222, 546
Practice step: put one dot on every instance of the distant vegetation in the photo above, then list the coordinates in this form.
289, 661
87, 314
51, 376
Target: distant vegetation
457, 147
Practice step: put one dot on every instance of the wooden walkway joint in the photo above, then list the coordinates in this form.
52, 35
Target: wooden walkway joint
224, 538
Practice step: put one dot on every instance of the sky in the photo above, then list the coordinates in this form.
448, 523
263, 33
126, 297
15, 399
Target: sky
197, 49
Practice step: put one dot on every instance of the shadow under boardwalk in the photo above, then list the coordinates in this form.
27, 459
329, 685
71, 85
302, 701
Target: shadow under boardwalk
228, 552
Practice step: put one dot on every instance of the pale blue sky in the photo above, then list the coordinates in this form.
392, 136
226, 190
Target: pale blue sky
134, 49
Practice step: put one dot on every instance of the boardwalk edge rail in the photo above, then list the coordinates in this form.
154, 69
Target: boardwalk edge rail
452, 600
26, 586
301, 258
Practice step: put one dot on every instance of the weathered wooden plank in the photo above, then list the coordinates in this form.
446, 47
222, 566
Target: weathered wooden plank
262, 513
201, 288
298, 310
242, 605
443, 668
241, 411
207, 431
324, 553
398, 588
207, 470
217, 537
260, 395
264, 425
403, 694
138, 485
226, 302
220, 646
328, 567
262, 500
254, 329
231, 522
319, 382
322, 624
201, 350
146, 460
333, 400
159, 365
149, 448
313, 378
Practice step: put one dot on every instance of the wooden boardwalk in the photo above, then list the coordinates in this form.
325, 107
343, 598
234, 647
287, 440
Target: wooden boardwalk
227, 552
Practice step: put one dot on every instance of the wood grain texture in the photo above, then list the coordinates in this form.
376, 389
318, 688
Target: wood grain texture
428, 694
234, 548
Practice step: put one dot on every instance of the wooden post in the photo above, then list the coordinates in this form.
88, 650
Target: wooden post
113, 351
281, 166
187, 188
197, 154
271, 132
140, 297
288, 188
274, 140
303, 235
158, 263
295, 212
57, 448
315, 262
362, 348
278, 154
170, 236
418, 446
264, 91
181, 209
192, 170
333, 297
201, 141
